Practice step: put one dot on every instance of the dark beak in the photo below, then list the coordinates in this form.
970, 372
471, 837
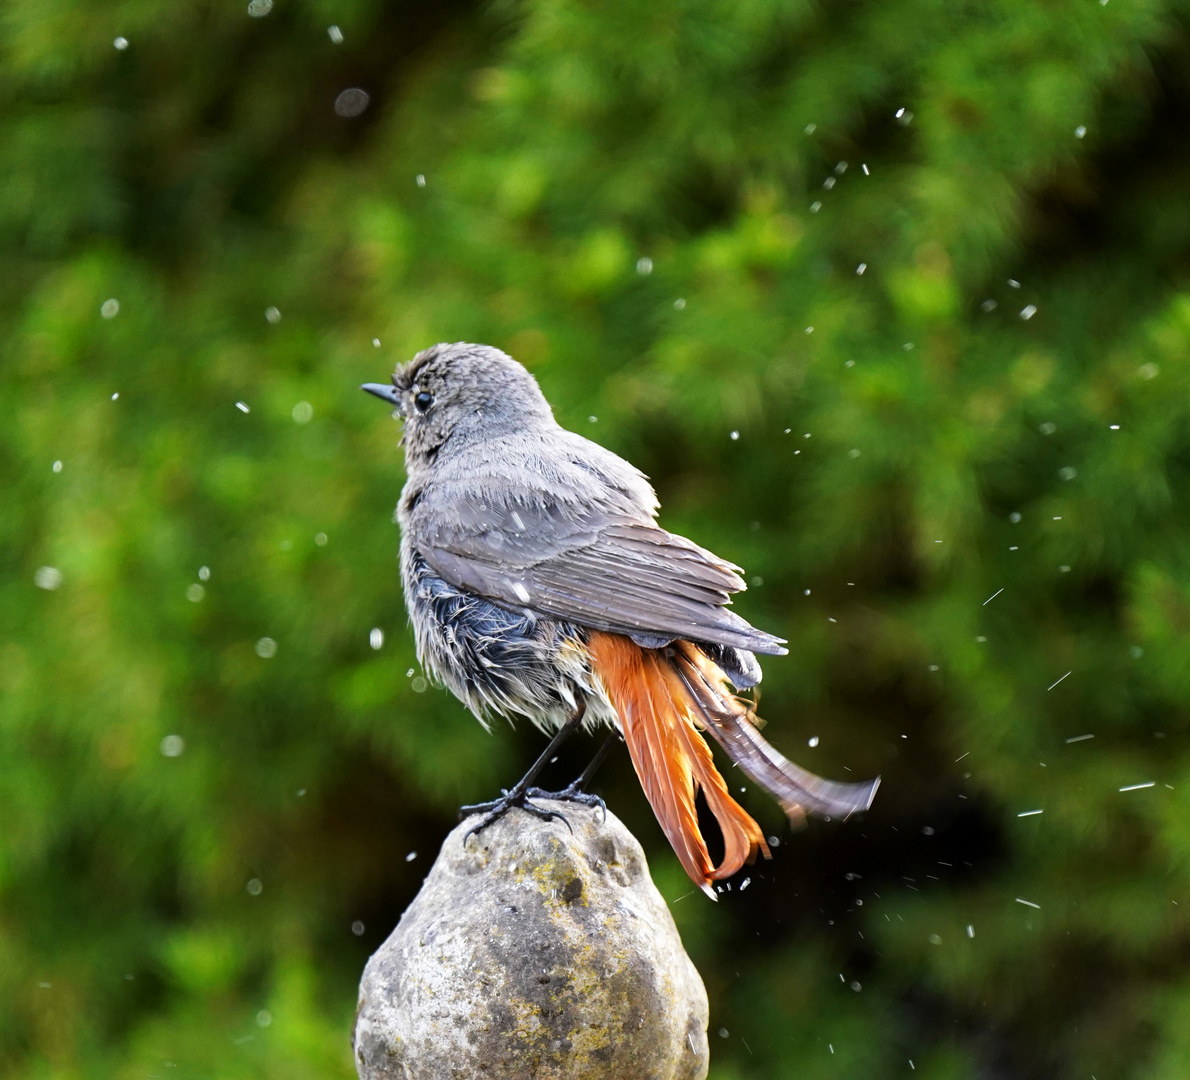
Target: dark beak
387, 393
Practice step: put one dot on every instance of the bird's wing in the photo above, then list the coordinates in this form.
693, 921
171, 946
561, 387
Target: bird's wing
602, 570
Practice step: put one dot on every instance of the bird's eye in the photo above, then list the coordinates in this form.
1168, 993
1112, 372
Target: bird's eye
423, 400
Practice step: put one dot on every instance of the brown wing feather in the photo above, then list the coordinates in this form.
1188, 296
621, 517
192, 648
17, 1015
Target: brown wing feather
601, 570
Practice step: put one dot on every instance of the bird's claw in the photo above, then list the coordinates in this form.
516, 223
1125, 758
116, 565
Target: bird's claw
493, 811
574, 794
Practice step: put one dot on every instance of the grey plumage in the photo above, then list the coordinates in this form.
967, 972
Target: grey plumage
519, 538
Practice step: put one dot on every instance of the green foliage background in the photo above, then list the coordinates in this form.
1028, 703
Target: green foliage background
884, 451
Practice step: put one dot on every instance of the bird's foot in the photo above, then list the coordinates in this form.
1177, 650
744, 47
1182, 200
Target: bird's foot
522, 799
574, 793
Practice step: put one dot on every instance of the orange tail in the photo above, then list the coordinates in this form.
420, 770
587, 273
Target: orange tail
657, 713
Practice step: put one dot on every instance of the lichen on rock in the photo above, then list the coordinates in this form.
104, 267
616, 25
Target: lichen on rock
532, 952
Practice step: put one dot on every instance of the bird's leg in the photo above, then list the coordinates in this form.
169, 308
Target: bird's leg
576, 791
519, 794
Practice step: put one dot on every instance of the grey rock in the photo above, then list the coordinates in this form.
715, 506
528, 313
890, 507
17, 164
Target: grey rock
534, 954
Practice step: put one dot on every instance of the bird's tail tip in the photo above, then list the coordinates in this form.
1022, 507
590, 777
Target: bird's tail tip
672, 758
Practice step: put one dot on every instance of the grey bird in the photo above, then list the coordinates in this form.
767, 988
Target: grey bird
539, 584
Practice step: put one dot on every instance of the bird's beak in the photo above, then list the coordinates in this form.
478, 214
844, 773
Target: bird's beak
387, 393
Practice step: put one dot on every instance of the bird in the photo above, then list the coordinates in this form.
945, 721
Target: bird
540, 584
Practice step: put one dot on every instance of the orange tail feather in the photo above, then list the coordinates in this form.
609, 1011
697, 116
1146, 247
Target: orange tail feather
657, 716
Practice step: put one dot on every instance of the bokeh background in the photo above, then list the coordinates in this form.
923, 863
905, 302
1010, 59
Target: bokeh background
891, 299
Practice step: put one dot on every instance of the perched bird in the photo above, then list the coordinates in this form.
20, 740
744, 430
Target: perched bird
538, 583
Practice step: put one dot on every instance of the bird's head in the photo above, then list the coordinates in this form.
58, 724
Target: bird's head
451, 395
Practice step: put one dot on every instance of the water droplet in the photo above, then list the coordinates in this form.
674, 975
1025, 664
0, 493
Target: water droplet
1080, 131
815, 207
376, 638
1068, 473
1015, 516
255, 886
857, 987
195, 593
418, 685
988, 305
266, 648
110, 308
811, 128
303, 411
644, 266
121, 43
357, 928
320, 539
1028, 311
242, 407
411, 856
935, 939
264, 1018
904, 117
376, 342
173, 746
1148, 371
57, 466
1048, 428
204, 573
680, 304
273, 315
853, 453
723, 1033
420, 180
812, 740
258, 9
866, 172
1136, 652
1013, 283
335, 34
735, 435
859, 270
47, 577
351, 102
828, 183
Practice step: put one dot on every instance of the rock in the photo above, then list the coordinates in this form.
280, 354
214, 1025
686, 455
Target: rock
534, 953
